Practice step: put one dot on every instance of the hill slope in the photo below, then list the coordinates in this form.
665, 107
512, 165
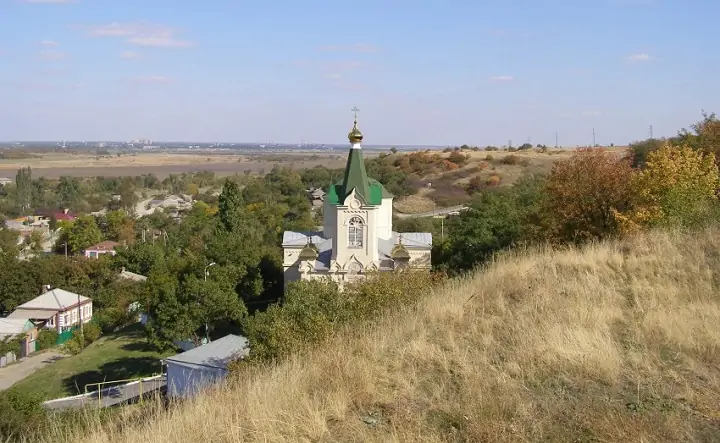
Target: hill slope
616, 342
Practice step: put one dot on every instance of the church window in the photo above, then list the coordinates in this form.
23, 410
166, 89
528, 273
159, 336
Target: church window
355, 233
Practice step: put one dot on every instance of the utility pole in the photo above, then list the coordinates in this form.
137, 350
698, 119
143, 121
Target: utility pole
556, 140
651, 133
82, 333
66, 256
594, 143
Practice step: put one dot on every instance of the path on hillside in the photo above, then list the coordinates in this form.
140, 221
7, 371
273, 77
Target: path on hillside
15, 372
433, 213
109, 396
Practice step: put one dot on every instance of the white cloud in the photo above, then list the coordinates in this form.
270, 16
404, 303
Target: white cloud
129, 55
49, 43
502, 78
141, 34
639, 57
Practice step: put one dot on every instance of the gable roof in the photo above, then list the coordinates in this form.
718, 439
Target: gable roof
56, 299
13, 326
216, 354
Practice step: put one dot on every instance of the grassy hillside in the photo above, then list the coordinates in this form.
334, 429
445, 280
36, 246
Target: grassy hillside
615, 342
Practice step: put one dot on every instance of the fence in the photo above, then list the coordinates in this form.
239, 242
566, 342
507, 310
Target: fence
65, 335
7, 359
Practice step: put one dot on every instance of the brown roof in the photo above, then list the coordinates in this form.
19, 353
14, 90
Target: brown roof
103, 246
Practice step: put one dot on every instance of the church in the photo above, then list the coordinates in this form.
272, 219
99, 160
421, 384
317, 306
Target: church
357, 236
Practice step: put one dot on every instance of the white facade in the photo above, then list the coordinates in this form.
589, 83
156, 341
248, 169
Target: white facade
186, 380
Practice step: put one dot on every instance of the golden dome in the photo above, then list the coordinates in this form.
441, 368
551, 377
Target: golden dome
355, 136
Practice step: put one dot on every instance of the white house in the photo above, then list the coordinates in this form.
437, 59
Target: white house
56, 309
357, 235
191, 371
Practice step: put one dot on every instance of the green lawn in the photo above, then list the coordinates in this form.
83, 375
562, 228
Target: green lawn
114, 357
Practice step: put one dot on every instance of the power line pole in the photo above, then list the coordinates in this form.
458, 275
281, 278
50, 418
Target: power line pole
651, 132
594, 144
556, 140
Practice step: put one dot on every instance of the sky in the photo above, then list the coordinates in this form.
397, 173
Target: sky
422, 72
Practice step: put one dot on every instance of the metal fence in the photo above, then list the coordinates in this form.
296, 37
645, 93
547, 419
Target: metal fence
8, 358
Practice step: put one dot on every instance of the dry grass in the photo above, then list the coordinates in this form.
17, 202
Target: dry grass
415, 203
615, 342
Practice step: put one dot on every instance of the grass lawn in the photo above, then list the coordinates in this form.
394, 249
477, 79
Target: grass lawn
118, 356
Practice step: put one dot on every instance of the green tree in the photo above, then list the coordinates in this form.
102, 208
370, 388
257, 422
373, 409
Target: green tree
83, 232
68, 191
24, 188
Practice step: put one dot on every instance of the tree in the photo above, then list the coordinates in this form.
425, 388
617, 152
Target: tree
584, 193
703, 135
677, 186
68, 191
496, 220
83, 232
640, 150
229, 202
24, 188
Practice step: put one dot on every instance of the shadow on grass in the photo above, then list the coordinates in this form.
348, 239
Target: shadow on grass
139, 347
120, 369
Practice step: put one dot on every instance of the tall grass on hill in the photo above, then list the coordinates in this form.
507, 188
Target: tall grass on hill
615, 342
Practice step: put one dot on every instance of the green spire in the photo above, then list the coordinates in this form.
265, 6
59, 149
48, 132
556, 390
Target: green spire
355, 175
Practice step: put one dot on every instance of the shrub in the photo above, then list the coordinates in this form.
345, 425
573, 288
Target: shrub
493, 180
75, 345
492, 148
458, 158
474, 185
313, 310
489, 158
677, 188
91, 332
46, 339
585, 192
511, 159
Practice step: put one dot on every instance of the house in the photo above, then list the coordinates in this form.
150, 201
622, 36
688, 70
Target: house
135, 307
131, 275
56, 309
59, 215
105, 247
357, 236
13, 327
193, 370
5, 181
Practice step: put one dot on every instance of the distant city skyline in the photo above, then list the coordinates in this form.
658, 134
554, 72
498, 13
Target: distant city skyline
421, 72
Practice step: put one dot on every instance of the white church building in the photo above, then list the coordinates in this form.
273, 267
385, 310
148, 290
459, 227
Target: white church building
357, 236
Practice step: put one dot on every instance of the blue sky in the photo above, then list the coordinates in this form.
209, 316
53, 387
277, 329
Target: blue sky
421, 72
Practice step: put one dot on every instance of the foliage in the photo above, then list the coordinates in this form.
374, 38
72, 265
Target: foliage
312, 311
91, 332
46, 339
640, 150
10, 344
703, 136
80, 233
495, 221
676, 187
21, 414
584, 193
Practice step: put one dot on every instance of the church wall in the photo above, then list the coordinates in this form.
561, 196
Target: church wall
329, 220
384, 219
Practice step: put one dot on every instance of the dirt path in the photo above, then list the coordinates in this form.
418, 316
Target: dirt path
13, 373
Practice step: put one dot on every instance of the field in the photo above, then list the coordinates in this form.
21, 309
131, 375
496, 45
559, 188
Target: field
614, 342
54, 165
114, 357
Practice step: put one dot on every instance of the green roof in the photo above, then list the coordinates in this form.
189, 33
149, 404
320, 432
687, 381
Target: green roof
368, 190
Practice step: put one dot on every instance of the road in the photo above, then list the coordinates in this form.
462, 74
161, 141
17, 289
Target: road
433, 213
108, 396
15, 372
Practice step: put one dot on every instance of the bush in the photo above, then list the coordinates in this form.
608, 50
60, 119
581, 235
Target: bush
458, 158
489, 158
493, 180
91, 332
313, 310
75, 345
21, 417
492, 148
585, 192
46, 339
512, 159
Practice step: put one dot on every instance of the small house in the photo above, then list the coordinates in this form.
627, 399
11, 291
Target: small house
56, 309
19, 327
191, 371
105, 247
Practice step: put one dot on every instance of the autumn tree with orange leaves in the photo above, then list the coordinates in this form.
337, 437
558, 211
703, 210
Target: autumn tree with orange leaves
584, 193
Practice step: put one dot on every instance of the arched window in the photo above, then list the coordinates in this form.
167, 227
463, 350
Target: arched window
355, 233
